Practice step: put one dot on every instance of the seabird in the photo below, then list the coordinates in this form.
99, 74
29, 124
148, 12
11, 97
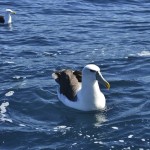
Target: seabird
7, 19
80, 90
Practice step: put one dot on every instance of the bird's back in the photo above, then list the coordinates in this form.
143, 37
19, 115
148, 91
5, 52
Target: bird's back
2, 19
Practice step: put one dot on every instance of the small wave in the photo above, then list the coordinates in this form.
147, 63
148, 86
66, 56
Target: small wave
144, 53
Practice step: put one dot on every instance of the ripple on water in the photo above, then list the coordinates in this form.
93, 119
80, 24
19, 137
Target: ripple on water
49, 35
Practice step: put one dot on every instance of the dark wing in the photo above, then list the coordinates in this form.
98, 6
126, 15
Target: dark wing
78, 75
2, 19
69, 83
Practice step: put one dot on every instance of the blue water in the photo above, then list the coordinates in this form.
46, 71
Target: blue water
50, 35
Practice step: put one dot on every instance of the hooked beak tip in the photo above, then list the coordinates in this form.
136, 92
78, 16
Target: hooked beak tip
108, 86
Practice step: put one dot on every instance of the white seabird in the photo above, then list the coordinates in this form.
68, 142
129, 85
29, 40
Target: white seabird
80, 90
7, 19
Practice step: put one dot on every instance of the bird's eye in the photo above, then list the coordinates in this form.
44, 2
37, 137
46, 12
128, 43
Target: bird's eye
92, 70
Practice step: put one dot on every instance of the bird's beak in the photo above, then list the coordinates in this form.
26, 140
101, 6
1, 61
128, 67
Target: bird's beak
101, 80
13, 12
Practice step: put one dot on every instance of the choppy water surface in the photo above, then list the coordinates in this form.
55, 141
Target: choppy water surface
50, 35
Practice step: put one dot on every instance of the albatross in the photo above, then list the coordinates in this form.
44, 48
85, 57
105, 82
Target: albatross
7, 19
80, 90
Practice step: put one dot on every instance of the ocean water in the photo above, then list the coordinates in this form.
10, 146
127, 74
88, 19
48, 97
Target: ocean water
50, 35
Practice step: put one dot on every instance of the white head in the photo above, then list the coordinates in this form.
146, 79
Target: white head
8, 18
10, 11
91, 73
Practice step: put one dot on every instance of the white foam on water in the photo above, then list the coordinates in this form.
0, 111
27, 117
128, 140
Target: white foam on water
80, 134
61, 128
3, 119
16, 77
130, 136
128, 148
9, 62
10, 93
95, 142
122, 141
74, 144
3, 110
3, 107
144, 53
112, 146
116, 128
22, 125
98, 142
88, 136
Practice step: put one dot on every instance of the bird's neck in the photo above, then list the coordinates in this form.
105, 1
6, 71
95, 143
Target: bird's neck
90, 88
8, 18
92, 96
